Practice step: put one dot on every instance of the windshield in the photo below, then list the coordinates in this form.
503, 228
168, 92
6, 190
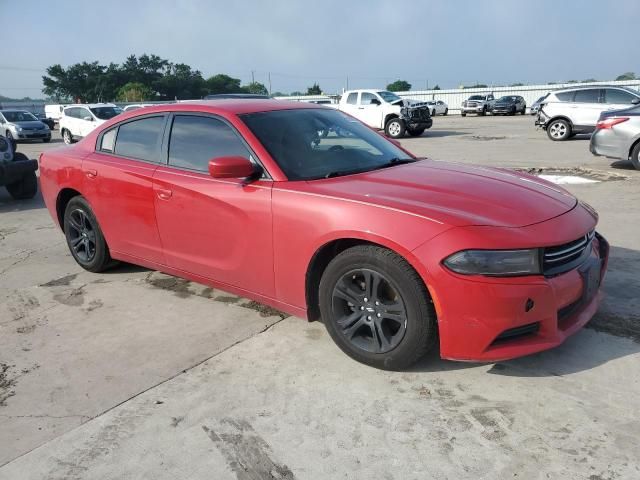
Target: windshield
507, 99
318, 143
476, 97
14, 117
389, 97
105, 113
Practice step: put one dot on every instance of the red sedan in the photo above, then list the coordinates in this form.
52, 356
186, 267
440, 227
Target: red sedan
304, 208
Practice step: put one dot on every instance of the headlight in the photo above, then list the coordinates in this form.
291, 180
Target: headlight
19, 128
501, 263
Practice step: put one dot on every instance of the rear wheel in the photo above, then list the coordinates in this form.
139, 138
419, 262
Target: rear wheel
559, 130
446, 110
395, 128
84, 237
46, 140
376, 308
67, 137
463, 114
635, 156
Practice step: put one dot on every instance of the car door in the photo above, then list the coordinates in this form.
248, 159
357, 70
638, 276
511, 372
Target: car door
617, 99
86, 122
220, 229
69, 121
350, 105
368, 112
586, 107
119, 186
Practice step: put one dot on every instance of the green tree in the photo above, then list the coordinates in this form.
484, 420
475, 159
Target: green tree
399, 86
589, 80
134, 92
181, 82
437, 87
517, 84
78, 82
314, 90
222, 83
256, 88
279, 94
297, 94
477, 85
626, 76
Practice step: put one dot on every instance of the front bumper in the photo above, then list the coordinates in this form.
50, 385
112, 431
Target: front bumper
11, 172
503, 110
491, 318
477, 109
541, 120
33, 134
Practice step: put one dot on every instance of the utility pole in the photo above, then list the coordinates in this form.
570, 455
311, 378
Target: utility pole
269, 74
253, 80
347, 82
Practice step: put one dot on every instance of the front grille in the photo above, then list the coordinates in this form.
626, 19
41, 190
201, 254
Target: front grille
417, 114
563, 258
517, 332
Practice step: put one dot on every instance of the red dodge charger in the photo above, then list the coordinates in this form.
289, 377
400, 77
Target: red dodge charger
304, 208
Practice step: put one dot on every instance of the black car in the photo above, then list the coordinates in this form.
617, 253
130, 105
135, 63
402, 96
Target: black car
509, 105
218, 96
49, 122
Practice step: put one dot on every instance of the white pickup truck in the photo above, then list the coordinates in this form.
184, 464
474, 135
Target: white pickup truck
386, 111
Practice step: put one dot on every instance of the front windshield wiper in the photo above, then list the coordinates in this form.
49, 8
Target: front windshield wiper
396, 161
339, 173
391, 163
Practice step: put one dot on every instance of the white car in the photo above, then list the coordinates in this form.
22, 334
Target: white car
78, 121
567, 112
438, 107
54, 111
136, 106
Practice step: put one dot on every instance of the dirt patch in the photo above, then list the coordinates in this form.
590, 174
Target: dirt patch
72, 298
5, 232
6, 384
598, 175
484, 138
627, 326
94, 305
26, 329
264, 310
227, 299
61, 282
179, 286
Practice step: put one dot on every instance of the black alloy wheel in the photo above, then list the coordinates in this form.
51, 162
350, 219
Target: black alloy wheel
82, 235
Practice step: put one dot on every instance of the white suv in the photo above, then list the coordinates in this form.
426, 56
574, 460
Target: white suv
78, 121
567, 112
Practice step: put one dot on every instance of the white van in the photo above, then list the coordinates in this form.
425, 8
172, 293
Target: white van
54, 111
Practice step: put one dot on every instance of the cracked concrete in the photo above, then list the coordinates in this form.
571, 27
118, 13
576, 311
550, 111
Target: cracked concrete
142, 375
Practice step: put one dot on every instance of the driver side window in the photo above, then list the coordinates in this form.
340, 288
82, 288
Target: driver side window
366, 97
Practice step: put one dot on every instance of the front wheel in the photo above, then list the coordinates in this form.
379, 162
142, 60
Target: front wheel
67, 137
559, 130
376, 308
635, 156
446, 110
84, 236
484, 111
463, 114
395, 128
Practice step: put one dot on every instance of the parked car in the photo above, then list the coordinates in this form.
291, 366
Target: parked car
536, 105
509, 105
49, 122
392, 252
567, 112
54, 111
479, 104
438, 107
617, 135
238, 96
17, 125
17, 172
136, 106
78, 121
386, 111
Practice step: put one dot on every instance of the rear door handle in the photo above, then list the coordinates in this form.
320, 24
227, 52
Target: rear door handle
91, 173
164, 194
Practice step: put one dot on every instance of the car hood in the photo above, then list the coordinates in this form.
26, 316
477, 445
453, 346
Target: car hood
29, 124
505, 104
454, 194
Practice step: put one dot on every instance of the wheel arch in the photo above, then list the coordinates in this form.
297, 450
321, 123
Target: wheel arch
329, 250
560, 117
389, 116
633, 145
64, 197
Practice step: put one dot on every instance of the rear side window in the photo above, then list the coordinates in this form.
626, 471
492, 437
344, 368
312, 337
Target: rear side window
613, 95
195, 140
587, 96
352, 98
140, 139
565, 96
108, 140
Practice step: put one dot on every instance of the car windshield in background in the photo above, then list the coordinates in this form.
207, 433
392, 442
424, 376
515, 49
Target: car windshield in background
310, 144
14, 117
476, 97
507, 99
389, 97
105, 113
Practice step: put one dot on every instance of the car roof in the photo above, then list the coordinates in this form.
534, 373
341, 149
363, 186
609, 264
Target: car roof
90, 105
583, 87
230, 105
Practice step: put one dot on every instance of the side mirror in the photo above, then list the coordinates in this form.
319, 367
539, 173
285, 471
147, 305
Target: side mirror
88, 118
375, 101
635, 101
231, 167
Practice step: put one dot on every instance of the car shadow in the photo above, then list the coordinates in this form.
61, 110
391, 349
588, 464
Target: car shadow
8, 204
438, 134
614, 332
580, 136
622, 165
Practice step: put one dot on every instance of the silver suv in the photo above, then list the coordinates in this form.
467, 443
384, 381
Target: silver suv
567, 112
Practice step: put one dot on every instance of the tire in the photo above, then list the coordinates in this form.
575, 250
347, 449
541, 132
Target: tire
433, 112
635, 156
84, 237
558, 130
378, 340
446, 110
46, 140
395, 128
415, 133
524, 110
25, 188
483, 112
462, 114
66, 136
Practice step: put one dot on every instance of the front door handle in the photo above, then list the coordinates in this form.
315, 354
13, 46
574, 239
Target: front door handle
91, 173
164, 194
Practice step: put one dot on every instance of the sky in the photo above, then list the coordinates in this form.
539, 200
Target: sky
339, 44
